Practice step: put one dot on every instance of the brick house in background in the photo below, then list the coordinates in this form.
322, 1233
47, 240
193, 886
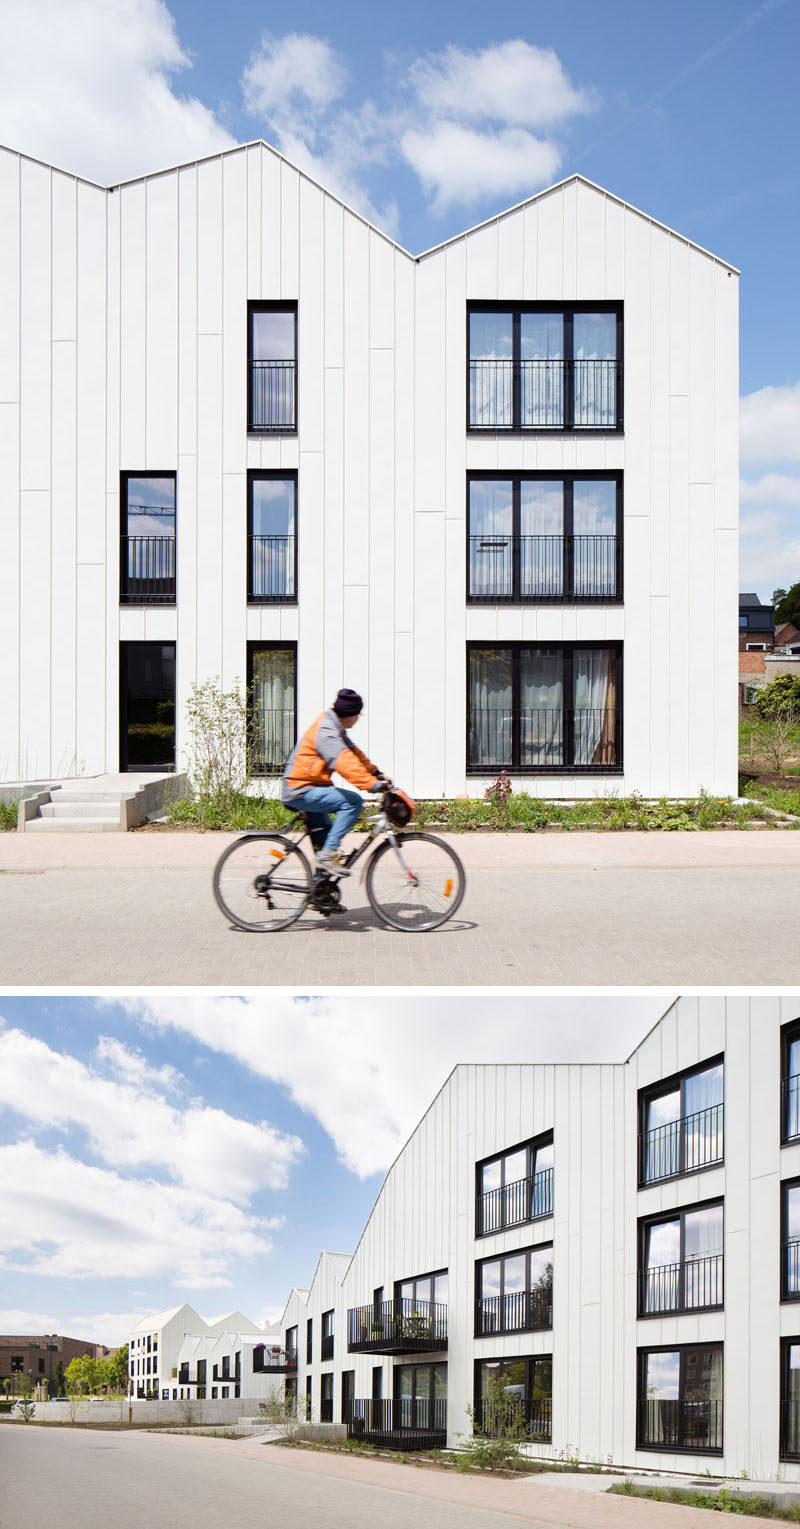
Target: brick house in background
756, 624
752, 676
38, 1357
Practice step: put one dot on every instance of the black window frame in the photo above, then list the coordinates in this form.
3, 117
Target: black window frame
260, 475
530, 1146
326, 1383
346, 1402
276, 305
530, 1326
788, 1297
258, 645
784, 1452
125, 597
662, 1218
569, 479
682, 1349
652, 1091
790, 1032
327, 1334
290, 1342
568, 767
530, 1362
567, 311
309, 1340
416, 1279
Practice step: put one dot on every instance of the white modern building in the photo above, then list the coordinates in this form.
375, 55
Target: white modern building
177, 1355
617, 1247
245, 434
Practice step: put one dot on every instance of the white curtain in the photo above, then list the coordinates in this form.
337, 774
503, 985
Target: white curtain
703, 1094
490, 708
703, 1244
592, 671
542, 369
595, 344
273, 708
541, 707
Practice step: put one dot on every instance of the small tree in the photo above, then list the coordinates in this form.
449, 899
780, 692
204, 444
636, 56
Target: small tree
116, 1370
499, 1429
780, 698
187, 1409
27, 1409
60, 1381
285, 1413
777, 738
219, 736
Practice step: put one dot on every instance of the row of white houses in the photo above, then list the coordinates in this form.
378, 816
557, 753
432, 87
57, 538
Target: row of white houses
611, 1251
246, 435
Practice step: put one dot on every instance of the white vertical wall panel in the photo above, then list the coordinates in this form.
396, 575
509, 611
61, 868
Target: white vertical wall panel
92, 474
10, 634
133, 324
162, 323
64, 543
11, 203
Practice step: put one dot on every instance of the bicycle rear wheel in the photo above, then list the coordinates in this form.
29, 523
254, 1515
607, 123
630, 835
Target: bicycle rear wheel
262, 882
416, 886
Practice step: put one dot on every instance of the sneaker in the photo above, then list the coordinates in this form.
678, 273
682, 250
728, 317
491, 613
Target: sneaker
330, 863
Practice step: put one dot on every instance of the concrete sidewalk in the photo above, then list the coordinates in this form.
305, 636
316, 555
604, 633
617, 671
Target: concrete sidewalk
679, 909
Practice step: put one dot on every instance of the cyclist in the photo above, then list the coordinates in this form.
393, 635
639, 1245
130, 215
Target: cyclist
307, 787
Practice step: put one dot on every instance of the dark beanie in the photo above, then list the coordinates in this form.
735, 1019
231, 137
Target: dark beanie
348, 703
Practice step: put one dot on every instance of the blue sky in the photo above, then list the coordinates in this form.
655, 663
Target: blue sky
430, 118
161, 1149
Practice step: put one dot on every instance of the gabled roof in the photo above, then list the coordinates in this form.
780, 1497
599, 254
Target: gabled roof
232, 1322
746, 601
495, 218
161, 1318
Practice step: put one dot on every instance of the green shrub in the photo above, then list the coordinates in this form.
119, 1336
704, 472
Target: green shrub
8, 814
780, 698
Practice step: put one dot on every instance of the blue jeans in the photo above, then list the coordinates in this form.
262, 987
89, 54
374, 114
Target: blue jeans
319, 802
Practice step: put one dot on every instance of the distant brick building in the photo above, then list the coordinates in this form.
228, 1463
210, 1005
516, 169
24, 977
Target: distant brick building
756, 624
38, 1357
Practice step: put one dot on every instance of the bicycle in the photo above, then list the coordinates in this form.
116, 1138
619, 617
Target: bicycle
415, 882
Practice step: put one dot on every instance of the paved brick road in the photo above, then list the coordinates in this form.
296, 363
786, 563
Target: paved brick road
72, 1477
660, 909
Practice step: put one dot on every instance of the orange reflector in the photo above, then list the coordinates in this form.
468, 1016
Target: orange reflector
448, 886
277, 854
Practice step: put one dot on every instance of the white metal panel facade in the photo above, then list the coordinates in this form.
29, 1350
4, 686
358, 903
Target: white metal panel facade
124, 341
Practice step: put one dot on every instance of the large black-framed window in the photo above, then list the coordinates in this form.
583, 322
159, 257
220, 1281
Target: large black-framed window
681, 1123
544, 708
790, 1399
147, 510
544, 538
790, 1240
272, 368
271, 537
272, 704
420, 1396
514, 1186
681, 1260
680, 1399
514, 1292
326, 1335
147, 706
545, 368
790, 1082
515, 1388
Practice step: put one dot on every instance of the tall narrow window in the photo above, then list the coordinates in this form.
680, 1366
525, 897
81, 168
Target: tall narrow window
147, 539
327, 1335
534, 366
272, 702
790, 1238
272, 346
790, 1399
272, 538
326, 1397
790, 1082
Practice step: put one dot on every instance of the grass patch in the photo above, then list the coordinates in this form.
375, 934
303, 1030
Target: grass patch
783, 798
723, 1501
519, 813
8, 815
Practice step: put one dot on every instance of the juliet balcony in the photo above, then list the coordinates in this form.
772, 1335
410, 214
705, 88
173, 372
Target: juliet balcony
397, 1327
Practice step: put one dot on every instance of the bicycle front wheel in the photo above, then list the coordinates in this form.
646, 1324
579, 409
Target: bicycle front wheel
415, 884
262, 882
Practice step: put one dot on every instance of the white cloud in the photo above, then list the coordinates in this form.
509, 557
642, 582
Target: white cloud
771, 488
133, 1067
456, 164
513, 82
66, 1219
131, 1125
367, 1069
293, 78
110, 1327
769, 421
88, 86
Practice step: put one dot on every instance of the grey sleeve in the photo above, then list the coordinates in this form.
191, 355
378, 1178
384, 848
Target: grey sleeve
330, 741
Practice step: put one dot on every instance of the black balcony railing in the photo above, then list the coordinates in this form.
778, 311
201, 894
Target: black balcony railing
524, 1200
790, 1109
545, 395
791, 1266
550, 738
682, 1146
670, 1425
695, 1285
402, 1422
273, 391
326, 1346
790, 1428
272, 739
271, 570
518, 1312
535, 1412
273, 1360
544, 569
147, 570
397, 1327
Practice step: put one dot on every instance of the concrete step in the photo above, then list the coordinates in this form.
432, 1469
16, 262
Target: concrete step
80, 807
73, 825
89, 794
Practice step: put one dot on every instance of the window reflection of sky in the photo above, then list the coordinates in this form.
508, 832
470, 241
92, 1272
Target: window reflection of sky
150, 506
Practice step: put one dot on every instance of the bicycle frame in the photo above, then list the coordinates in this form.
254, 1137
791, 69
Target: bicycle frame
376, 826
